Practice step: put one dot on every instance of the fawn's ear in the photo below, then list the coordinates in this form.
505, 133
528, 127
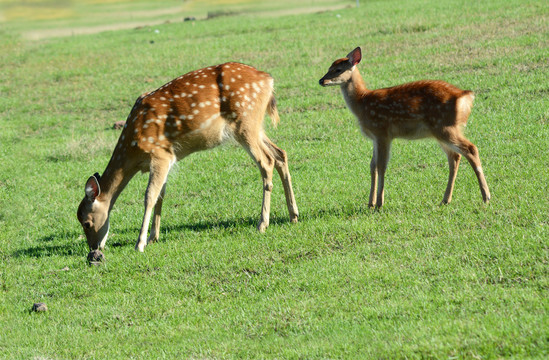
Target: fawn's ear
92, 188
355, 56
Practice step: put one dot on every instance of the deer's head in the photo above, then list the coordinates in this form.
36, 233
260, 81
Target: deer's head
342, 69
93, 214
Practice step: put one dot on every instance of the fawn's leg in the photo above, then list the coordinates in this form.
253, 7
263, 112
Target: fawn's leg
470, 151
453, 164
159, 169
281, 165
265, 162
382, 150
373, 178
155, 227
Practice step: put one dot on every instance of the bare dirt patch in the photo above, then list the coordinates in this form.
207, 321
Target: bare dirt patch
145, 19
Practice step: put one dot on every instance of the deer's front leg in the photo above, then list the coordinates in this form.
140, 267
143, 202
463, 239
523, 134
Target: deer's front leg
382, 150
373, 185
155, 228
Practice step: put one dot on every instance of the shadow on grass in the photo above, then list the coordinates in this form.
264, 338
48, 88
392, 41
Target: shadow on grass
74, 244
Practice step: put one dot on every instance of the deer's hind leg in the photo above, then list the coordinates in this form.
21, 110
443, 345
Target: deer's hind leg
159, 169
456, 142
281, 165
453, 165
265, 163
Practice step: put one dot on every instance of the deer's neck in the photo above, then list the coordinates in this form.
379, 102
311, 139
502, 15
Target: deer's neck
354, 91
115, 178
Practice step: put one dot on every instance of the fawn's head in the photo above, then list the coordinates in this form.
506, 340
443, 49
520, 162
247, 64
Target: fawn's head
342, 69
93, 215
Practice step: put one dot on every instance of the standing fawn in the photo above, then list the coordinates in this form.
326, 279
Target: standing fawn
412, 111
196, 111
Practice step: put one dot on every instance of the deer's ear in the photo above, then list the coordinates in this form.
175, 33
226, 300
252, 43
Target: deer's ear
92, 188
355, 56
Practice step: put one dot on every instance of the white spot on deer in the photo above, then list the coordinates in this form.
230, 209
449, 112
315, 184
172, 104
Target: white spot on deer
227, 87
201, 105
182, 117
161, 138
151, 139
193, 104
201, 86
196, 111
237, 104
162, 98
145, 126
183, 95
233, 80
133, 143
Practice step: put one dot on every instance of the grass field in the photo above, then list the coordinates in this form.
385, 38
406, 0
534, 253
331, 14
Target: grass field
415, 280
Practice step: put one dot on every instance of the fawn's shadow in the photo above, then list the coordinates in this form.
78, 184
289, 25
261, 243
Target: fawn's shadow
73, 242
72, 246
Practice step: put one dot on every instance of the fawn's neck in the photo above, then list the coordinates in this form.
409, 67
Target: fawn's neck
115, 178
354, 91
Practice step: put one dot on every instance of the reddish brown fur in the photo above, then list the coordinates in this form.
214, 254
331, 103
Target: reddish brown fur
194, 112
427, 108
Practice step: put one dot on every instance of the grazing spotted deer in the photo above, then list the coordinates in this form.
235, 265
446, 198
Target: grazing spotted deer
412, 111
196, 111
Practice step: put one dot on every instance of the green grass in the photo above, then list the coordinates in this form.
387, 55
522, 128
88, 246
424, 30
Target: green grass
414, 280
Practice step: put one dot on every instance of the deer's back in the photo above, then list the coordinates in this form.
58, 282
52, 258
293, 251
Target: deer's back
415, 110
195, 111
